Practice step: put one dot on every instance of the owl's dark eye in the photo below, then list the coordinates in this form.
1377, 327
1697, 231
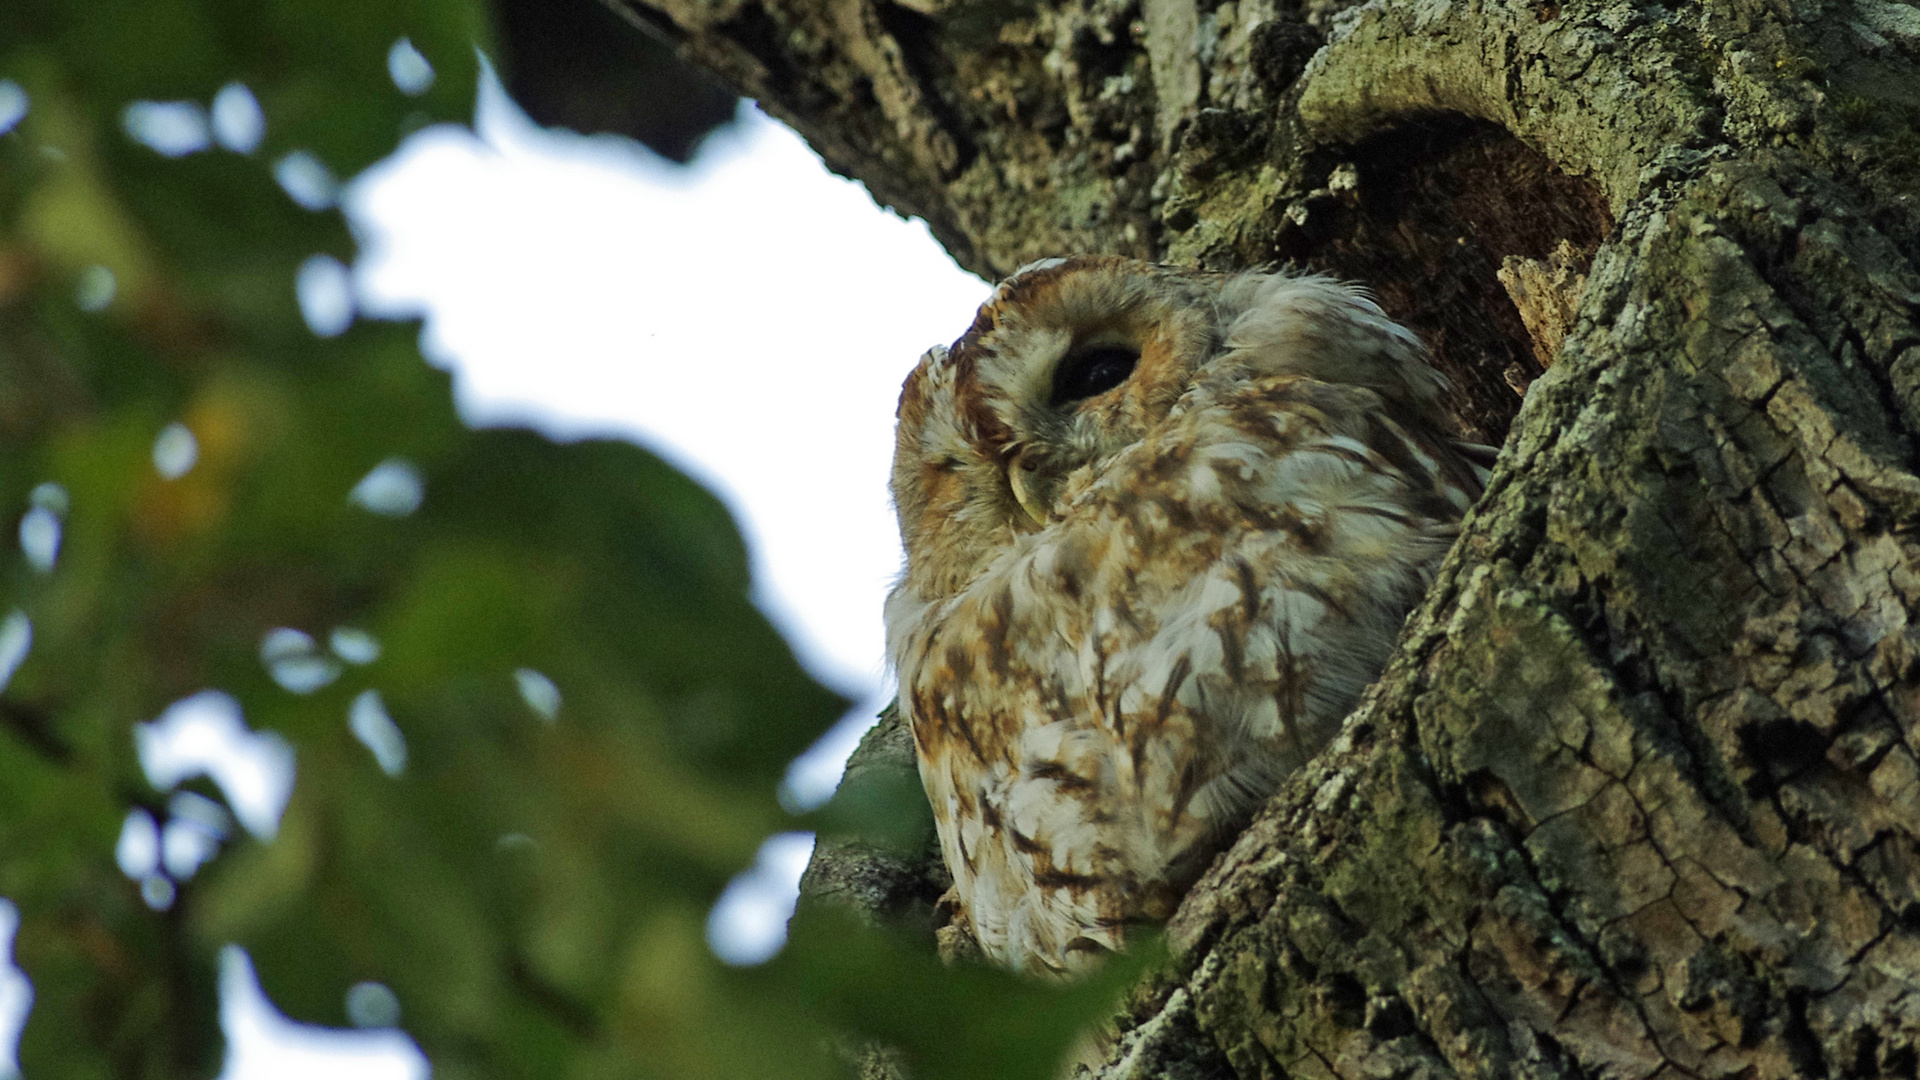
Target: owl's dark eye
1092, 370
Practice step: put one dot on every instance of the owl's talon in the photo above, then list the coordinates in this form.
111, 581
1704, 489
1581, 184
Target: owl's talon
953, 934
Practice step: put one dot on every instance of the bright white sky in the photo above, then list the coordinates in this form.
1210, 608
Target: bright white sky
749, 317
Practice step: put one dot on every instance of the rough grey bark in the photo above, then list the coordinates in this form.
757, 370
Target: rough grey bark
1639, 795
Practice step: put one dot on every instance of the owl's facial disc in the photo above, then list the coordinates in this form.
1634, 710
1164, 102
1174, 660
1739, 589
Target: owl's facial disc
1090, 364
1088, 369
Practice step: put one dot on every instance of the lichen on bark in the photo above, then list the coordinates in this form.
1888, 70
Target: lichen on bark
1641, 792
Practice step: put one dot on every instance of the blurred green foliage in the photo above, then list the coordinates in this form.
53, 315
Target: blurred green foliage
576, 946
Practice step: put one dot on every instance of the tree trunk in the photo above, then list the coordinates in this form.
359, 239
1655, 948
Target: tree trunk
1639, 793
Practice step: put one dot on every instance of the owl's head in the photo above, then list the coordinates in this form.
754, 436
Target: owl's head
1073, 360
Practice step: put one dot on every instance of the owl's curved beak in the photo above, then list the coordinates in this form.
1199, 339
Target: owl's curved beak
1023, 478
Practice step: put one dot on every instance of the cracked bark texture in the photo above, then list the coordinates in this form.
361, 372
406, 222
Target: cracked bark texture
1639, 795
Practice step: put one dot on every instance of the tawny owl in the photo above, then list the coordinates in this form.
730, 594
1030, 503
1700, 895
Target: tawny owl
1162, 528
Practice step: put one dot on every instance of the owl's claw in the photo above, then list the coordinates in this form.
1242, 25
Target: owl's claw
953, 933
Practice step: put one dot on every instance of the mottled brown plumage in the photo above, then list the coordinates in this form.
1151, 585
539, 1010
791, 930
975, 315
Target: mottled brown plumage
1162, 528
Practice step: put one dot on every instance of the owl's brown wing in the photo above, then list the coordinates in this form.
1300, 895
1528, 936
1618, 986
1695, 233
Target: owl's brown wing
1117, 692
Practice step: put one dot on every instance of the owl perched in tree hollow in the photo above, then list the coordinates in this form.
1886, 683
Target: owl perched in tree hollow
1162, 528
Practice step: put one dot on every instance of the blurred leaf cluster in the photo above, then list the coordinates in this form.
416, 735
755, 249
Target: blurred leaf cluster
533, 888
